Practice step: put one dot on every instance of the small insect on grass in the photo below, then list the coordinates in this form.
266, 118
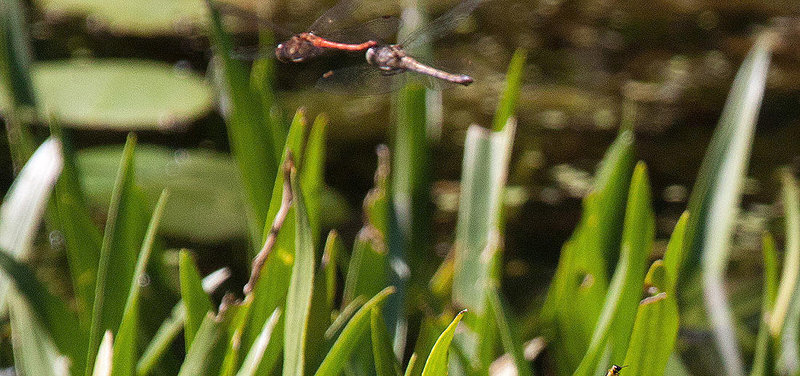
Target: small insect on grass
615, 370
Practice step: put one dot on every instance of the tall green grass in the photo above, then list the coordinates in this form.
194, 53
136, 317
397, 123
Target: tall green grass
609, 301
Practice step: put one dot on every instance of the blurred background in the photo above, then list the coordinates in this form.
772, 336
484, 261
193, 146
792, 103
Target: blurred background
590, 63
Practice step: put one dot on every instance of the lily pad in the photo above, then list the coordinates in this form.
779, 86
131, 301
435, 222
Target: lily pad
204, 206
121, 94
147, 18
205, 203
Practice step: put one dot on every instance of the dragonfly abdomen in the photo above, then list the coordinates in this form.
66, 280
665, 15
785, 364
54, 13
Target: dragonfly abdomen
412, 64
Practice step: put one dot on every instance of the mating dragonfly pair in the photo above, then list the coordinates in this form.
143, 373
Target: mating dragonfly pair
388, 65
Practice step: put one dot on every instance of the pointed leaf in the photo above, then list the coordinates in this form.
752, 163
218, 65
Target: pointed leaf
105, 356
436, 364
298, 301
351, 336
508, 104
253, 358
125, 346
197, 302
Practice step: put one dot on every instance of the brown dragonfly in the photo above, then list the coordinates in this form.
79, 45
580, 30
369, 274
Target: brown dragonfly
330, 32
388, 64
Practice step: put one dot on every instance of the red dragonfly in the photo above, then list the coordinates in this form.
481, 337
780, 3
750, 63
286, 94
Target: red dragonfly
387, 64
330, 32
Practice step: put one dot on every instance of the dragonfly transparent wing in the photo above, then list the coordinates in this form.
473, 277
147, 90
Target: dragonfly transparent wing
381, 29
440, 26
351, 15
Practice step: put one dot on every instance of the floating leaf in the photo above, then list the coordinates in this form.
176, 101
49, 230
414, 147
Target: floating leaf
143, 18
120, 94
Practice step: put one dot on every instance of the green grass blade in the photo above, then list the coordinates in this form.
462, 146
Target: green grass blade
484, 171
617, 317
42, 313
576, 295
764, 353
82, 238
312, 174
249, 131
125, 346
298, 301
509, 337
351, 337
330, 256
788, 362
16, 54
121, 240
105, 356
674, 253
411, 182
270, 291
715, 202
508, 104
195, 299
653, 336
385, 362
437, 360
173, 325
253, 358
206, 355
366, 274
790, 276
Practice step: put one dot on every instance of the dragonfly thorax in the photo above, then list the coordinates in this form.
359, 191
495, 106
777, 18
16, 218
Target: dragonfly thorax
388, 58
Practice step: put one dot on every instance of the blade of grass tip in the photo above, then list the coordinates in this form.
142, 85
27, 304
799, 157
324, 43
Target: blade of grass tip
674, 253
173, 326
117, 258
511, 343
24, 205
788, 362
385, 362
249, 131
312, 174
508, 104
344, 317
485, 167
105, 356
617, 317
298, 300
125, 346
763, 358
437, 360
256, 353
716, 225
34, 351
366, 274
351, 336
654, 331
195, 299
333, 247
791, 263
412, 364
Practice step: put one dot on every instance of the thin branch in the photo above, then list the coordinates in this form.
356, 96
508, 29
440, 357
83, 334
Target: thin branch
272, 237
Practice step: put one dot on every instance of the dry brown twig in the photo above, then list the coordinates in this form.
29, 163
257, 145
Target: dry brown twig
272, 237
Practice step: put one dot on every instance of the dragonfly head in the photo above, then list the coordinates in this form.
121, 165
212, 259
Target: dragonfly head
295, 50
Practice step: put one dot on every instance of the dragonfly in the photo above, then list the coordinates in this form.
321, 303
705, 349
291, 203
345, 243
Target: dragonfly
387, 64
330, 32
